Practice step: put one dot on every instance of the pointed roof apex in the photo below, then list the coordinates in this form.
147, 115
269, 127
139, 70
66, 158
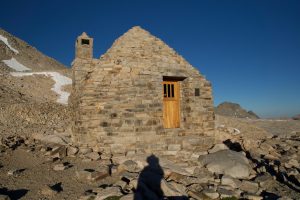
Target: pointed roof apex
84, 35
137, 29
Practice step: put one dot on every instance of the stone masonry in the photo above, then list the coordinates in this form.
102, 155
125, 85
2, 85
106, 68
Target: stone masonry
118, 102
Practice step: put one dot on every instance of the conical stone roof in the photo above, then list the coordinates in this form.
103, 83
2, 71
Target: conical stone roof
138, 47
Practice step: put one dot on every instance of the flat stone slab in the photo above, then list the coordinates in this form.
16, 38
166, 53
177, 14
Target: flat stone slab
227, 162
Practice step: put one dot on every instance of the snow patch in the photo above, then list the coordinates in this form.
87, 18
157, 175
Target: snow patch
59, 79
14, 64
4, 39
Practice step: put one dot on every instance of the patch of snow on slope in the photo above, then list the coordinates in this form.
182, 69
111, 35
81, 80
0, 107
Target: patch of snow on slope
4, 39
14, 64
59, 79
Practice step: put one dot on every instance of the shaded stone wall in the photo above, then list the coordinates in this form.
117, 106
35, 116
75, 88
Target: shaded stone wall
118, 102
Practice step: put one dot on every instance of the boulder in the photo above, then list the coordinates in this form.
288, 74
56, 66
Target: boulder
227, 162
232, 182
56, 139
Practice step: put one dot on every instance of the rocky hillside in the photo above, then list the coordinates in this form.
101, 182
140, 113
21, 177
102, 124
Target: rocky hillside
34, 88
234, 110
27, 74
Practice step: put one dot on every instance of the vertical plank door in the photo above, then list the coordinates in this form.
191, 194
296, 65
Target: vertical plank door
171, 104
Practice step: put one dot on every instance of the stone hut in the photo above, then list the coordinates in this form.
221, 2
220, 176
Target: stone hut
139, 96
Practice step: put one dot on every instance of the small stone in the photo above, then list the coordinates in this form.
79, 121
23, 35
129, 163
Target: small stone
54, 139
60, 167
195, 195
128, 197
72, 151
121, 184
292, 163
249, 186
211, 193
264, 180
253, 197
169, 153
85, 150
91, 175
58, 152
224, 193
168, 189
87, 197
108, 192
232, 182
93, 155
217, 147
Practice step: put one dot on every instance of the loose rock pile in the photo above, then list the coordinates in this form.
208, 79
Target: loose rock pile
226, 169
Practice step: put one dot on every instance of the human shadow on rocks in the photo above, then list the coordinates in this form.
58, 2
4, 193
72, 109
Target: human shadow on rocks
13, 194
149, 182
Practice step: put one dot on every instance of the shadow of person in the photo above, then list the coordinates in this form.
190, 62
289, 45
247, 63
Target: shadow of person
13, 194
148, 187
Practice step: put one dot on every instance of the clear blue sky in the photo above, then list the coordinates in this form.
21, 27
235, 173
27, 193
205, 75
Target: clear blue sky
249, 50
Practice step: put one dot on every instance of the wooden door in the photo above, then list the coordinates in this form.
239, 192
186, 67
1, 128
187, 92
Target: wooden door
171, 104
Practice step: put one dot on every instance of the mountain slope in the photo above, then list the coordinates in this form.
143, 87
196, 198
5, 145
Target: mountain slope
33, 89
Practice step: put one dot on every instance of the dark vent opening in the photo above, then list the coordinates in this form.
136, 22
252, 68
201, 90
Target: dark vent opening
85, 41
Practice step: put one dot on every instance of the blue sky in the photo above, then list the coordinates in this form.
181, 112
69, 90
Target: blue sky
249, 50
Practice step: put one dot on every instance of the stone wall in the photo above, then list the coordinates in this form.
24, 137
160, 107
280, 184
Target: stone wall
118, 102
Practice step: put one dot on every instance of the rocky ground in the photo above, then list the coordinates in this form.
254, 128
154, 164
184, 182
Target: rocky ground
245, 161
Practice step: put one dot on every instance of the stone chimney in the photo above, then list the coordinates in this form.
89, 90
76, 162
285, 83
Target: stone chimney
84, 47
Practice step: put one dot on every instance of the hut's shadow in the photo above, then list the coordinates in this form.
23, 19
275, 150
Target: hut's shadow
149, 182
